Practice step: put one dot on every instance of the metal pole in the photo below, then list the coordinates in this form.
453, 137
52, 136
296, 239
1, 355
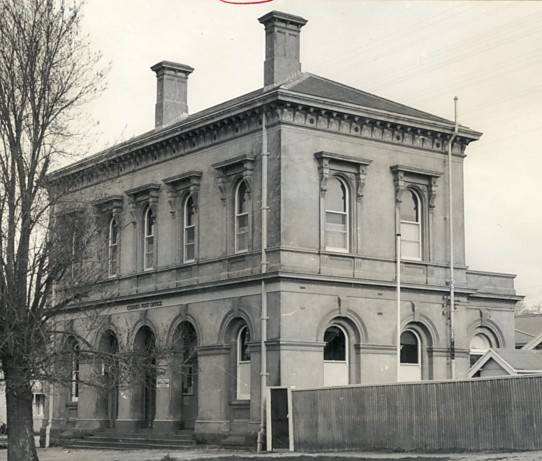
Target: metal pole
264, 318
398, 284
451, 233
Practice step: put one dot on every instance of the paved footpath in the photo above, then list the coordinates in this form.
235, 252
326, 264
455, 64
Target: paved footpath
62, 454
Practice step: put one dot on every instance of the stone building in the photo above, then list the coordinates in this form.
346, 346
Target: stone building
179, 210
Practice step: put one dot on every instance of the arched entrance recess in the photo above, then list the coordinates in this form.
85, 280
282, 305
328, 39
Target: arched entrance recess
145, 396
109, 348
185, 371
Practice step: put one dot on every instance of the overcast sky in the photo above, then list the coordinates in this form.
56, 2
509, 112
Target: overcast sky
420, 53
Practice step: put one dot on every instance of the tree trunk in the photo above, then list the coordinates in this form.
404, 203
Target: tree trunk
21, 444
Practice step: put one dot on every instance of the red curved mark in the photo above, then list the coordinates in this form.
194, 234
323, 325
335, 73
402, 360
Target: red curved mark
241, 2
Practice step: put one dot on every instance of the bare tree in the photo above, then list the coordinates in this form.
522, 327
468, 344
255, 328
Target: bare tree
46, 72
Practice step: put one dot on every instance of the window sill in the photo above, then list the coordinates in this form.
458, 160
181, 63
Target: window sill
240, 403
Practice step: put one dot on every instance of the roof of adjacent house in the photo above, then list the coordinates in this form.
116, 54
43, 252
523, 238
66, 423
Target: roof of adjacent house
311, 88
527, 328
514, 361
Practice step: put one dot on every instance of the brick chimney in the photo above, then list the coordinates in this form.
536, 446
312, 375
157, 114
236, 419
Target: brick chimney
171, 94
282, 32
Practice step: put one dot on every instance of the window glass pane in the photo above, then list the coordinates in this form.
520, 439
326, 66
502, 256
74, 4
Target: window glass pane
409, 348
480, 342
410, 250
190, 212
244, 339
242, 242
113, 232
242, 223
409, 206
242, 198
336, 240
189, 235
410, 232
336, 195
335, 347
113, 250
336, 218
149, 222
189, 252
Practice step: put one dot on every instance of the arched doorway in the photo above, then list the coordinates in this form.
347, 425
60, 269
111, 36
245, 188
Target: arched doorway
144, 346
109, 348
185, 341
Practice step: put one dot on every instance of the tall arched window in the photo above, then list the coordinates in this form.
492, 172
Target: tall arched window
113, 249
243, 364
337, 215
479, 345
336, 359
189, 229
411, 357
149, 222
411, 225
241, 217
73, 350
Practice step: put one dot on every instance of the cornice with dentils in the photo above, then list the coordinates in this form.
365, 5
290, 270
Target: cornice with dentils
234, 119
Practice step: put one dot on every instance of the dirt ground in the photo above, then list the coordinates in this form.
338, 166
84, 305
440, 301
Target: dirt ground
61, 454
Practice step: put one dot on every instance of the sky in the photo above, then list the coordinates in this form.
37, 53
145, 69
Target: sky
419, 53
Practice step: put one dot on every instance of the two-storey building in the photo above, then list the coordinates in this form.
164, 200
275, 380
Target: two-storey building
182, 224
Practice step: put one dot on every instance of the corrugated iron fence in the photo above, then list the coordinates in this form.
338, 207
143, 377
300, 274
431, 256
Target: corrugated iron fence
481, 414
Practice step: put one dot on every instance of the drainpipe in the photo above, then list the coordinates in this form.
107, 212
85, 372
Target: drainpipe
264, 318
51, 392
451, 233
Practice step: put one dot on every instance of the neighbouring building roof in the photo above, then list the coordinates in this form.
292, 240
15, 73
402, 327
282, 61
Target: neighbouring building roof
513, 361
527, 328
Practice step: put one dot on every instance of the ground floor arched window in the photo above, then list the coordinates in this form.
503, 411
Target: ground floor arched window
336, 356
410, 368
243, 363
480, 343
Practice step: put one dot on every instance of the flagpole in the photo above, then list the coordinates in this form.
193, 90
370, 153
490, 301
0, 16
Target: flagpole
451, 234
398, 278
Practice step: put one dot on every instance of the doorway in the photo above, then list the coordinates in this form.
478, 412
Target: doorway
186, 371
145, 347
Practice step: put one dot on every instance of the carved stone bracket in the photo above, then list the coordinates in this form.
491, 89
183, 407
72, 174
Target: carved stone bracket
108, 207
229, 170
433, 186
403, 175
186, 183
138, 197
329, 162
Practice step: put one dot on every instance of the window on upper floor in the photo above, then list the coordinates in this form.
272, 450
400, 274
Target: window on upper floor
149, 226
410, 211
189, 229
113, 247
242, 202
337, 215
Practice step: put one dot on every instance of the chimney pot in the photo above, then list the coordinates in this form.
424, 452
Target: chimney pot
171, 91
282, 35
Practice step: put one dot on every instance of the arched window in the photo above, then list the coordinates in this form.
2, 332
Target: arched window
149, 222
189, 229
479, 345
337, 215
336, 360
113, 247
411, 357
411, 225
241, 217
243, 364
74, 351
